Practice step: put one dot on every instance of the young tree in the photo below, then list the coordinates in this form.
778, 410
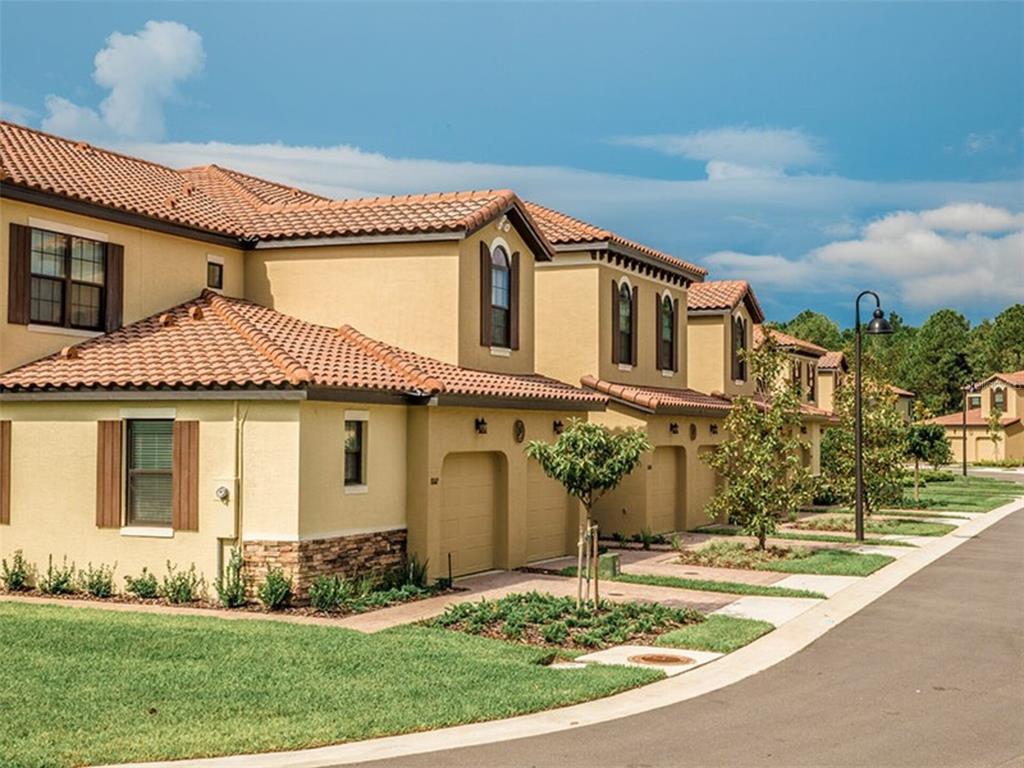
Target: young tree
589, 459
995, 430
760, 460
925, 442
883, 447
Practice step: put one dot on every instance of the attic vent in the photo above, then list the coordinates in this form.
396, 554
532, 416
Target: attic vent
188, 188
166, 319
69, 353
170, 202
196, 313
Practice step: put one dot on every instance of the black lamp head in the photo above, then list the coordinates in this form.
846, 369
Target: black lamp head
878, 324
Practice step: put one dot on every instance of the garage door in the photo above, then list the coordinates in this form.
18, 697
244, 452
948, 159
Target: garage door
547, 511
468, 510
665, 489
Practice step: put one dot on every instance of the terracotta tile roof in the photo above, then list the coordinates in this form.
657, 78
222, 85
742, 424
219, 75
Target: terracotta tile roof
900, 391
562, 229
832, 360
974, 419
1013, 378
215, 341
723, 295
785, 340
236, 204
77, 170
659, 399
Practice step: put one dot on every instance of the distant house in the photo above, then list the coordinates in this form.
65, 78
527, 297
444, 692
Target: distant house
1002, 393
904, 402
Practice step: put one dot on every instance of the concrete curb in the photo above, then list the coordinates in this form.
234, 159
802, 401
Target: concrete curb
756, 657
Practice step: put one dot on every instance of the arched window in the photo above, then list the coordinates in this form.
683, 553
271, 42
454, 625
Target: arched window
739, 348
667, 335
501, 298
999, 400
625, 324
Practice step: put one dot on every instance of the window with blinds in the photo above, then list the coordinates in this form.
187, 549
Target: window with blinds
150, 463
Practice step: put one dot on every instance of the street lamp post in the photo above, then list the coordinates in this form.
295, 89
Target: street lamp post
968, 388
876, 326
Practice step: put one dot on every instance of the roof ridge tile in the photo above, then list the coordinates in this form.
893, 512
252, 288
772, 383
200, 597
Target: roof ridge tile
258, 339
386, 354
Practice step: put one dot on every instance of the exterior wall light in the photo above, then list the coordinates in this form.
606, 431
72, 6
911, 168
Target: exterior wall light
557, 426
673, 428
480, 425
714, 429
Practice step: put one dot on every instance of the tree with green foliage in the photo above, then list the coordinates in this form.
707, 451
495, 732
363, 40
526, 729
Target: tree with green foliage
883, 447
816, 328
926, 442
1006, 341
760, 459
588, 459
995, 429
941, 363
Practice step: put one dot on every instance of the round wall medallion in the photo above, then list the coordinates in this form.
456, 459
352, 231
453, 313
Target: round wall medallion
693, 431
519, 430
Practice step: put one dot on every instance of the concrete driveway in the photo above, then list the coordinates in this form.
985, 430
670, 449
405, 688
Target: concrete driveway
931, 674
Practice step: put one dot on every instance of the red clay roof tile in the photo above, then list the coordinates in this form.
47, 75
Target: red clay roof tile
562, 229
658, 399
785, 340
723, 295
974, 419
831, 361
215, 341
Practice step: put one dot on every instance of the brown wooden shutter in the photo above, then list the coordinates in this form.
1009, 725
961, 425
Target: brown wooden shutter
513, 320
657, 332
675, 335
5, 473
185, 477
634, 358
736, 331
616, 352
485, 295
19, 274
114, 311
108, 474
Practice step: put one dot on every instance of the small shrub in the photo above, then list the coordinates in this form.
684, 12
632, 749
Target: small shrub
98, 581
618, 538
417, 572
58, 581
17, 575
936, 476
328, 593
677, 542
793, 516
143, 586
276, 591
646, 538
182, 586
230, 585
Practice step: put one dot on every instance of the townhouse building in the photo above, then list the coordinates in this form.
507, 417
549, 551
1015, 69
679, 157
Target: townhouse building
994, 417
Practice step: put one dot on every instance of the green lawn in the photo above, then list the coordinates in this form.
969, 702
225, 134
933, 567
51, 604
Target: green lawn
889, 526
707, 585
901, 513
720, 634
971, 494
83, 686
829, 562
722, 530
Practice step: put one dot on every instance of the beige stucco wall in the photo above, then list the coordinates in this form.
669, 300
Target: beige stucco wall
328, 508
53, 487
160, 271
1014, 399
574, 322
981, 447
400, 293
827, 389
437, 432
710, 352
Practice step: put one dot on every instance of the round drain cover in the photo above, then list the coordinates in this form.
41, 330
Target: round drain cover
660, 659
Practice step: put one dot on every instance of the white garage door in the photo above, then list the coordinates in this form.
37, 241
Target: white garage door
547, 511
468, 510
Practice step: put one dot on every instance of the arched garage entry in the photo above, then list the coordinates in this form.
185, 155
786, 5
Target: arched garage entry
472, 500
667, 492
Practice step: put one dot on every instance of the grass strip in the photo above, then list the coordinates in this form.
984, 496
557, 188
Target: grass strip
83, 686
830, 562
827, 537
717, 633
707, 585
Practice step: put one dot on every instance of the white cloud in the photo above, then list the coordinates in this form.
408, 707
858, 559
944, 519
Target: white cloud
976, 143
15, 112
142, 72
737, 151
965, 254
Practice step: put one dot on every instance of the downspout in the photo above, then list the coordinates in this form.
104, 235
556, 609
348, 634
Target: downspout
239, 423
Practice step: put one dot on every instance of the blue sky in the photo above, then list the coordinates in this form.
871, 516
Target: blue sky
814, 149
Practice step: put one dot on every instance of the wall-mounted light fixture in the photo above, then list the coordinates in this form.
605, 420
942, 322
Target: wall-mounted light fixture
693, 431
714, 429
673, 428
557, 426
803, 429
480, 425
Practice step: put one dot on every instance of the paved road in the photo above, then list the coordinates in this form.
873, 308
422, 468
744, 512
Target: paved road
931, 674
